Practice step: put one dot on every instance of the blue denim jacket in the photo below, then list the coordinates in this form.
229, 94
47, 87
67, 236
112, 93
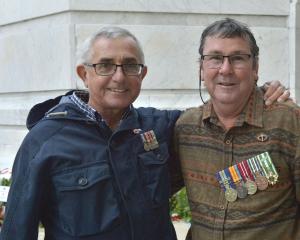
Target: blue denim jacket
83, 181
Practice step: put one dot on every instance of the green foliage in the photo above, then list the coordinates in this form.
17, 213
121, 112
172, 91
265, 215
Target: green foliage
179, 206
5, 182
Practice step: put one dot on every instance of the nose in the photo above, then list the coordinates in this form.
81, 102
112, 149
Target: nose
226, 67
119, 74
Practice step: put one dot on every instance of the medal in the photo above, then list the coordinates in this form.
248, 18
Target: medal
237, 179
268, 167
260, 180
250, 185
149, 140
230, 193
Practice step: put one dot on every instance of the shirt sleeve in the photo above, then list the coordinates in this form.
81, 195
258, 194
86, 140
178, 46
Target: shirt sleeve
297, 171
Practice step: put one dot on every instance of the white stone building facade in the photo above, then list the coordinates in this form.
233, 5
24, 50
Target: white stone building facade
38, 42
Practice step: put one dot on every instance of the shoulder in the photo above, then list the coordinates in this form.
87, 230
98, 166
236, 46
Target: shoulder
191, 116
283, 115
155, 113
53, 122
288, 107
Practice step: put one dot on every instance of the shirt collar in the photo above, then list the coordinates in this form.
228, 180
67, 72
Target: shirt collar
252, 113
81, 98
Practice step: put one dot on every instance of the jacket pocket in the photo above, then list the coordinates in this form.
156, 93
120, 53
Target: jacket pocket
85, 199
154, 174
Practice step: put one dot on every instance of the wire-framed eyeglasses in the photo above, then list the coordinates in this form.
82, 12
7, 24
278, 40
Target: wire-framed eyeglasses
215, 61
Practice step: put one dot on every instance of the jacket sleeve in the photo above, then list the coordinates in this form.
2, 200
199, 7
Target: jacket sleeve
22, 213
174, 163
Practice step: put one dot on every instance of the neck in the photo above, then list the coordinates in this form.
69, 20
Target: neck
112, 117
227, 113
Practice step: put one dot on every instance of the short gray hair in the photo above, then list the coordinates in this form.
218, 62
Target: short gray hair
84, 52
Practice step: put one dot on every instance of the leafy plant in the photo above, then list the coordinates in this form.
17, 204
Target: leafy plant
5, 182
180, 207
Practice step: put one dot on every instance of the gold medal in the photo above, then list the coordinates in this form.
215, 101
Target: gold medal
230, 193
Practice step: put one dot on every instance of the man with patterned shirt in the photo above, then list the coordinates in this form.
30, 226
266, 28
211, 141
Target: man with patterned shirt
234, 192
92, 166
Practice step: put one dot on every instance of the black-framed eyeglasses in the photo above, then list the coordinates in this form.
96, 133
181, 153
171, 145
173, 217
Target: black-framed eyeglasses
215, 61
107, 69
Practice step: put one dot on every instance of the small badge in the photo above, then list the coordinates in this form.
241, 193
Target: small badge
137, 130
149, 140
262, 137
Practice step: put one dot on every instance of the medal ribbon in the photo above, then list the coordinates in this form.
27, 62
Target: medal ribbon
269, 162
218, 176
233, 174
242, 171
229, 178
248, 170
238, 172
224, 179
261, 169
252, 165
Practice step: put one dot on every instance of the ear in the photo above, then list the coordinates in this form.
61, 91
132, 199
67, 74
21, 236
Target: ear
81, 72
201, 71
144, 72
255, 72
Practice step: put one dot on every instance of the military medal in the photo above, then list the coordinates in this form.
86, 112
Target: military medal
230, 193
260, 180
268, 168
237, 179
149, 140
250, 184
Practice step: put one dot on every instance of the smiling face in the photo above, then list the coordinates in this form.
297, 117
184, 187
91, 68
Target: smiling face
116, 92
228, 85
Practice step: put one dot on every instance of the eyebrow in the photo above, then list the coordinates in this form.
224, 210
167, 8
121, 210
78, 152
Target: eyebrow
105, 60
124, 60
232, 53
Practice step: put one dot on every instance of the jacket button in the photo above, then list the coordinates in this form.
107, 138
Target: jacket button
82, 181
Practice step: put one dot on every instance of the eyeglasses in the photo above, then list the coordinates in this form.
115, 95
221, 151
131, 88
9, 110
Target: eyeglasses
107, 69
238, 61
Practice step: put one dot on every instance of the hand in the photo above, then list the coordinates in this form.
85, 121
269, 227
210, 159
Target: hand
275, 91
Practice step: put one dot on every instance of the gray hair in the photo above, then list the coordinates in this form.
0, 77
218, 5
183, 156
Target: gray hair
85, 51
230, 28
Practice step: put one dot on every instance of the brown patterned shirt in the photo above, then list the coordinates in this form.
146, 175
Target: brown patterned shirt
205, 148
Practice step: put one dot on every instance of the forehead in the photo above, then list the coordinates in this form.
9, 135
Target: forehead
226, 45
117, 49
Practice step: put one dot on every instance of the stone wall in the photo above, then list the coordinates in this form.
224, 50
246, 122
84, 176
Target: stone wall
38, 42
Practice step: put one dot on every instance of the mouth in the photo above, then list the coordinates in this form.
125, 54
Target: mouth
117, 90
226, 84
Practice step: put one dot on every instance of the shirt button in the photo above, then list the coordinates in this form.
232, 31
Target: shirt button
228, 142
222, 207
82, 181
